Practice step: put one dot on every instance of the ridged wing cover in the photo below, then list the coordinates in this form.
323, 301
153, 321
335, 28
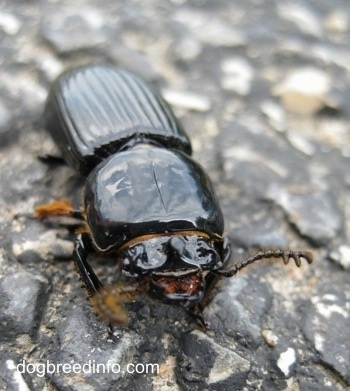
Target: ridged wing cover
146, 191
94, 111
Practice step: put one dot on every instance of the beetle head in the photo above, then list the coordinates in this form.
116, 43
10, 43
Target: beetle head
174, 265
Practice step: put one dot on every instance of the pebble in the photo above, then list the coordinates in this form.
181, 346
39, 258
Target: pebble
270, 338
17, 379
301, 143
238, 75
44, 244
187, 100
304, 18
331, 55
187, 48
342, 256
337, 21
304, 90
286, 361
69, 29
333, 132
9, 23
23, 87
51, 66
275, 114
210, 29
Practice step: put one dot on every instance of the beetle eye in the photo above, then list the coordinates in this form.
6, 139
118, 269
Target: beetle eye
156, 255
205, 256
200, 252
137, 254
146, 256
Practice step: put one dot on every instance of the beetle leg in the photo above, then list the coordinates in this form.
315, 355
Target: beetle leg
106, 301
91, 282
285, 255
56, 209
196, 313
51, 159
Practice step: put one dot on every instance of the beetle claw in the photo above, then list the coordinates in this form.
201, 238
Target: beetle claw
110, 334
285, 259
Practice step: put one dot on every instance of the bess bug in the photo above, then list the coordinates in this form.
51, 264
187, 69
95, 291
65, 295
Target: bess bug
146, 201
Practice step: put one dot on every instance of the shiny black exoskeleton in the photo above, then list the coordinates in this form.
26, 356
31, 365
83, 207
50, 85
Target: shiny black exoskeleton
145, 200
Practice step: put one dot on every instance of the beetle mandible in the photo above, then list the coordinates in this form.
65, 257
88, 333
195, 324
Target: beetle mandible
145, 200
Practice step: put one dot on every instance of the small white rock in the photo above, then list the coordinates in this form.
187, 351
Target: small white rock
275, 115
304, 91
337, 22
210, 29
302, 144
9, 23
187, 100
302, 17
270, 338
342, 256
18, 380
238, 75
188, 48
50, 66
286, 360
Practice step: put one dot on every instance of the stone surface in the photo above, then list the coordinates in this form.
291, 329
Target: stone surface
22, 297
204, 362
302, 208
327, 327
279, 161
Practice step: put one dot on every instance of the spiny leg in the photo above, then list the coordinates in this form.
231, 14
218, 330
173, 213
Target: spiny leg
82, 247
50, 159
106, 300
58, 209
91, 282
285, 255
82, 243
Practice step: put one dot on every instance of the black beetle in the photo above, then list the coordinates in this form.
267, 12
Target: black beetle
145, 200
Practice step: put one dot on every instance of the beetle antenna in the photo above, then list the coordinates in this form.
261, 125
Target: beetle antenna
286, 255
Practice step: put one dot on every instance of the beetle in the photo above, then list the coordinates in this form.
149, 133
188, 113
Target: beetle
145, 200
